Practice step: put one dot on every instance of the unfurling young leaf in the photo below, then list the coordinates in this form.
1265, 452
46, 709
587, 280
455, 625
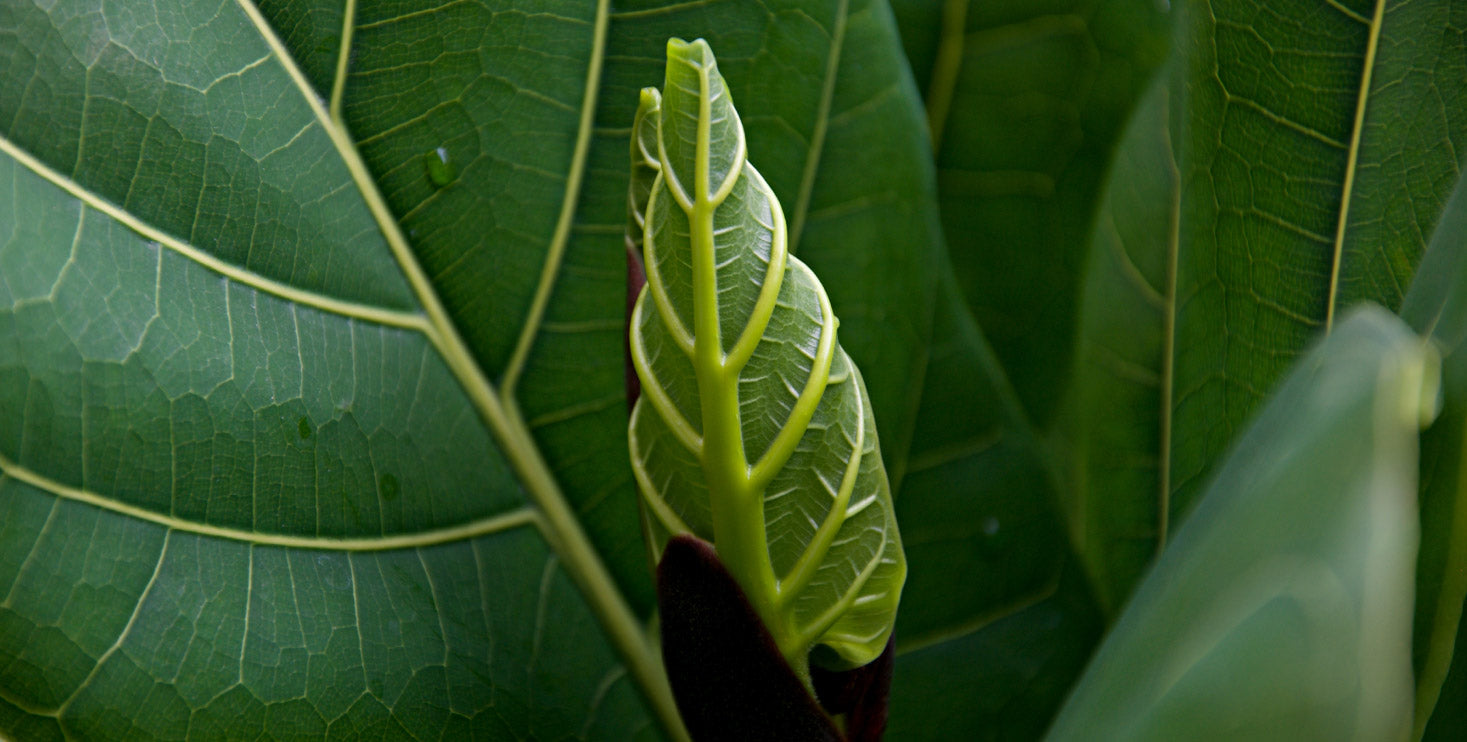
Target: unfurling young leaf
753, 431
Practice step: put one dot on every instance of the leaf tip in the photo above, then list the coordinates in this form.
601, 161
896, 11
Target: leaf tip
696, 52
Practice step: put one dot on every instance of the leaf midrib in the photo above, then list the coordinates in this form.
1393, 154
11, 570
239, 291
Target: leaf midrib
945, 68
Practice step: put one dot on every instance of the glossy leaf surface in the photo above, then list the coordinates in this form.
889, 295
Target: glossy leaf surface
753, 431
1282, 609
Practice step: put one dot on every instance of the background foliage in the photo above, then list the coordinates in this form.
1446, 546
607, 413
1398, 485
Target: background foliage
311, 409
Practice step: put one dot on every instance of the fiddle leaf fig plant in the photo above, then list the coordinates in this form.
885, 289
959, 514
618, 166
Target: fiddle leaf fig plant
315, 338
754, 430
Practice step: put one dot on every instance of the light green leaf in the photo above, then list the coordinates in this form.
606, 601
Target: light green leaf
753, 430
1282, 609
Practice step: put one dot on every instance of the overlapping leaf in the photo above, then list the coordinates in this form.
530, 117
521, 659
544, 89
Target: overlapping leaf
1026, 101
1116, 423
981, 496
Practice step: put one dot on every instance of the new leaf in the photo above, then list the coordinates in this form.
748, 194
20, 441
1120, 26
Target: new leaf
754, 430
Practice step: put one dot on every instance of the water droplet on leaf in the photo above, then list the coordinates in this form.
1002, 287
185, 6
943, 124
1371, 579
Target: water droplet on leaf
440, 170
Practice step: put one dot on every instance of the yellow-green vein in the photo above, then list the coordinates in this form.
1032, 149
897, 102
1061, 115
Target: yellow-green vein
343, 59
473, 529
789, 435
652, 494
561, 236
748, 340
331, 305
126, 630
652, 388
819, 626
559, 524
1350, 163
822, 121
799, 575
679, 332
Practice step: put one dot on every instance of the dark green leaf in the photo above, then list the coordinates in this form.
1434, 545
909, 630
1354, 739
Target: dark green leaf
1315, 152
1116, 423
986, 606
1026, 102
1316, 144
242, 316
1003, 681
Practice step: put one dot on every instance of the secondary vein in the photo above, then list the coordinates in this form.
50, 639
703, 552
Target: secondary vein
331, 305
473, 529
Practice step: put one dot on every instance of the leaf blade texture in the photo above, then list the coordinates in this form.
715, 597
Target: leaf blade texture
190, 146
755, 430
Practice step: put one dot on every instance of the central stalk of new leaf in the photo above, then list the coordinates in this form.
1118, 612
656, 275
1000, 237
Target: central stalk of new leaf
737, 506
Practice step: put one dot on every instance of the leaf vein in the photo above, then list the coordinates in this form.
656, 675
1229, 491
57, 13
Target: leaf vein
332, 305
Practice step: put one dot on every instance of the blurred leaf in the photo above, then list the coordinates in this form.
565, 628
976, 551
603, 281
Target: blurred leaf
1026, 101
1436, 305
1282, 609
1449, 716
311, 397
